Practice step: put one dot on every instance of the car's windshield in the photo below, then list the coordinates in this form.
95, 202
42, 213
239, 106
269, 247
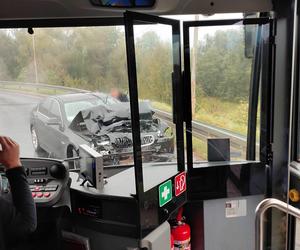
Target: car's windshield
107, 99
73, 108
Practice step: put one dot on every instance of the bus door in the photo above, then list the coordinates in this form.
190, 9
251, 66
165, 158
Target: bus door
157, 127
228, 82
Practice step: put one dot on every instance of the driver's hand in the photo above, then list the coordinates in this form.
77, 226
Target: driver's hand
10, 154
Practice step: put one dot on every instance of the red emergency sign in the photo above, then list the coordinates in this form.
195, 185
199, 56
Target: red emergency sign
180, 183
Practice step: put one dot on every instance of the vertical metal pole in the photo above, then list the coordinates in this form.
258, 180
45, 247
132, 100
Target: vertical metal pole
177, 94
188, 96
292, 98
34, 59
135, 115
260, 211
194, 67
293, 75
253, 97
259, 230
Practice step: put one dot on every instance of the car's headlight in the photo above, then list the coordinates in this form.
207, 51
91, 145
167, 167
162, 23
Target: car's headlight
103, 140
160, 134
168, 132
103, 143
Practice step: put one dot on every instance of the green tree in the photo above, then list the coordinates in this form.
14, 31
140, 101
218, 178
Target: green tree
222, 70
154, 68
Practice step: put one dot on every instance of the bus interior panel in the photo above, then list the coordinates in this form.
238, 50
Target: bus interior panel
154, 124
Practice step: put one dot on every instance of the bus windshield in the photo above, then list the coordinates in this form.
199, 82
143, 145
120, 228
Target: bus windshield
63, 87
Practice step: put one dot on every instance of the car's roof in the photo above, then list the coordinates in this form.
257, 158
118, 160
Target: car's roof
77, 96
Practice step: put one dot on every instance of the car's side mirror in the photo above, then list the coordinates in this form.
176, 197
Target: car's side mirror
52, 121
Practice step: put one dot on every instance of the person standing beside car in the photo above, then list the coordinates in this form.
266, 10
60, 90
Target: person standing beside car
18, 216
116, 93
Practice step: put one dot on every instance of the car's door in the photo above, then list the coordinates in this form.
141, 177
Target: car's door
55, 136
40, 119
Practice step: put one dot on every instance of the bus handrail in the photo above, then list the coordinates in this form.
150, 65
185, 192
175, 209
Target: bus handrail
261, 208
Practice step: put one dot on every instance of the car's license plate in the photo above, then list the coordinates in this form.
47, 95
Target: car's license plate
123, 142
147, 140
126, 143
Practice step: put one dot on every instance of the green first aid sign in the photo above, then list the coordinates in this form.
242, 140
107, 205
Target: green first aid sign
165, 193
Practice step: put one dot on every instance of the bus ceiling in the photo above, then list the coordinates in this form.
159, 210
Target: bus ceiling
21, 9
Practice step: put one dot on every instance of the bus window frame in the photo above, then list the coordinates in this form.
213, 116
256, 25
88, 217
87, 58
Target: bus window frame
150, 196
61, 22
267, 77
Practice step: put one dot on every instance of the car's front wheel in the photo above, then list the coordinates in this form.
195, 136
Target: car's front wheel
35, 140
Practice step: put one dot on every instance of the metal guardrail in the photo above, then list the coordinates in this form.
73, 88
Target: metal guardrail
204, 131
37, 86
262, 207
200, 130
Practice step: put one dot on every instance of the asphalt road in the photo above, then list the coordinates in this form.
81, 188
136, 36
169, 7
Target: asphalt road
15, 111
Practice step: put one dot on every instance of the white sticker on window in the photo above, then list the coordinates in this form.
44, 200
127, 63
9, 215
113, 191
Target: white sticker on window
235, 208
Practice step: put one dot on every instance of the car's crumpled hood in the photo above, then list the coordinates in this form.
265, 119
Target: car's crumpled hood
101, 116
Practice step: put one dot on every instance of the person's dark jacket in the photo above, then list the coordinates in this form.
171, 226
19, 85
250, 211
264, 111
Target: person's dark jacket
123, 97
17, 217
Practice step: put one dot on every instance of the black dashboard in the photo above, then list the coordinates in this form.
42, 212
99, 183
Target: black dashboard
47, 180
66, 205
49, 184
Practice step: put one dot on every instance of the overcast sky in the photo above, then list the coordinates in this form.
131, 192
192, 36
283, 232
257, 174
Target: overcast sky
164, 31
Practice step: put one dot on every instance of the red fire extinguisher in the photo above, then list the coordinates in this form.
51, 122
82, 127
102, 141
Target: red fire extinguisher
181, 233
172, 242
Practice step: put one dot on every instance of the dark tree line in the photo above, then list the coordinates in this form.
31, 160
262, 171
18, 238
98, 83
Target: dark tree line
222, 69
95, 59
